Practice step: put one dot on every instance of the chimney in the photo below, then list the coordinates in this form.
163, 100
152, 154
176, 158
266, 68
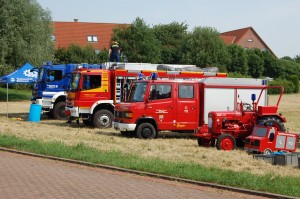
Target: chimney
75, 20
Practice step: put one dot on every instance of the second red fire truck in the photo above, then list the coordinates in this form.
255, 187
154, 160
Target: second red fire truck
220, 111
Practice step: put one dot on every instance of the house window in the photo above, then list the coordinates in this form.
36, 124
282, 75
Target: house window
53, 38
250, 40
92, 38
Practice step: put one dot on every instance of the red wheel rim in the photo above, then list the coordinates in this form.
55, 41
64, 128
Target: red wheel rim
226, 144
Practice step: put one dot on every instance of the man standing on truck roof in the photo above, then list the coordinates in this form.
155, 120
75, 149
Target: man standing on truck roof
114, 52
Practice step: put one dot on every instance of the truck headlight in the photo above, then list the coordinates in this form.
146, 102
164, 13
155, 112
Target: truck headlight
128, 114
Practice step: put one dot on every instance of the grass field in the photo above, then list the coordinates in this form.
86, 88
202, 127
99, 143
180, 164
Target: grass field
14, 95
170, 154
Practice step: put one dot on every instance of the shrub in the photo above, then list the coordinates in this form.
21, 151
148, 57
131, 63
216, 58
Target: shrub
289, 87
295, 80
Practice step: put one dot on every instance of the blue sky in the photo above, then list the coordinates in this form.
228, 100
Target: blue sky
276, 21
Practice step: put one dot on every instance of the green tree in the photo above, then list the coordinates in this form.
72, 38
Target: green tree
288, 67
25, 33
61, 55
297, 59
271, 68
171, 37
287, 58
77, 54
255, 62
237, 61
138, 42
203, 47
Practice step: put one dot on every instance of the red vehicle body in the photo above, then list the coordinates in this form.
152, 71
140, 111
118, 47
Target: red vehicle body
228, 129
267, 139
94, 92
188, 106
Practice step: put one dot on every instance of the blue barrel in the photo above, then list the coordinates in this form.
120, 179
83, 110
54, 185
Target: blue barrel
35, 113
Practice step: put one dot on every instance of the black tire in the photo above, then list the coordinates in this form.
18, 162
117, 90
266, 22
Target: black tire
205, 142
103, 119
225, 142
59, 111
146, 131
275, 123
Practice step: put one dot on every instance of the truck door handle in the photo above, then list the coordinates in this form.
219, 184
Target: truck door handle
149, 106
170, 107
193, 107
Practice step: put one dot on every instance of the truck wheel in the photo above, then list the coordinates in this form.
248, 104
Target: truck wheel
103, 119
59, 111
275, 123
225, 142
146, 131
267, 152
205, 142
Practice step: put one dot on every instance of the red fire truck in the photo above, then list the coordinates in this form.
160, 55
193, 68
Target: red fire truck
93, 92
267, 139
186, 106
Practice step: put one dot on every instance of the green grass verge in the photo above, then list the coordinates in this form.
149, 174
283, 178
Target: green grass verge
15, 95
268, 183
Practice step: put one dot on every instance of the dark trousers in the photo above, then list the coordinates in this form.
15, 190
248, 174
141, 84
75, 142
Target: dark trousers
114, 58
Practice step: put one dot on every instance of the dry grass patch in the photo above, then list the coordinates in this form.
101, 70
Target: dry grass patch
171, 146
290, 109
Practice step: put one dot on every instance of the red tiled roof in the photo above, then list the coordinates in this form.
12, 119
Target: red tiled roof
228, 39
234, 37
68, 33
237, 34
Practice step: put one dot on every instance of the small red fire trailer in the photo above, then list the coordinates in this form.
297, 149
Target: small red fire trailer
267, 139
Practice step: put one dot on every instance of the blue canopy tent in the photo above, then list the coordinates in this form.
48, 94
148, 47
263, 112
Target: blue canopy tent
22, 75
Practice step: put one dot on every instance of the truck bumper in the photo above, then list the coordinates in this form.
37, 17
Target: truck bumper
74, 111
251, 150
46, 104
123, 127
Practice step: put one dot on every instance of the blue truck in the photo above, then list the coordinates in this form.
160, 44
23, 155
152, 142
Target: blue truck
51, 87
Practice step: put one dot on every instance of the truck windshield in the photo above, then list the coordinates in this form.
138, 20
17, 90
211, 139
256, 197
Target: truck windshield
260, 132
137, 92
74, 83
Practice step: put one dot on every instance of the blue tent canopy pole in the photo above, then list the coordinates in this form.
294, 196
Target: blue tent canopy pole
7, 99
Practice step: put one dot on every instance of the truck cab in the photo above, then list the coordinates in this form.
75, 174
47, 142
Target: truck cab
157, 105
267, 139
52, 84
